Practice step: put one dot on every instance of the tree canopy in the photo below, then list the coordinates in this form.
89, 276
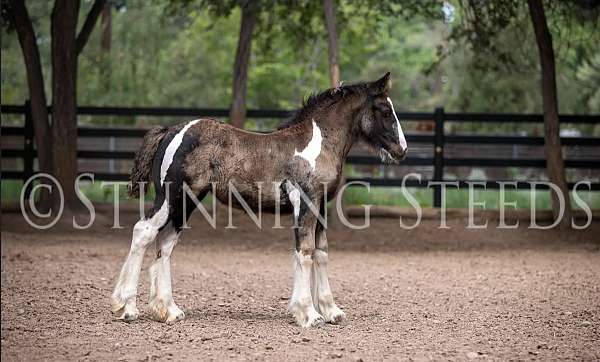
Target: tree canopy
162, 56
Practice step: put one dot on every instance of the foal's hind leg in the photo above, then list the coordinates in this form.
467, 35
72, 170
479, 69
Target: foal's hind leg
321, 293
162, 306
124, 295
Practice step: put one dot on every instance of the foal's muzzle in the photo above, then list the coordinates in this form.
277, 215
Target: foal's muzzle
396, 157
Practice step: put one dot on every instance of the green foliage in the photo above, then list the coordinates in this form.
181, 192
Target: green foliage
180, 53
588, 75
495, 40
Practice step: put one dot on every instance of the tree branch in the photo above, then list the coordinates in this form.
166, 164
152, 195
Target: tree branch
332, 42
88, 25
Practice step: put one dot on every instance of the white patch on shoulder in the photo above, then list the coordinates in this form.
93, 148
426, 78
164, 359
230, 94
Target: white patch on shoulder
401, 139
171, 149
313, 149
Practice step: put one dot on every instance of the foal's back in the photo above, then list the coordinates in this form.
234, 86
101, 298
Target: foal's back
211, 151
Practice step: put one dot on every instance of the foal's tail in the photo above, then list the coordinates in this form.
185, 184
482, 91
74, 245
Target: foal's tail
142, 164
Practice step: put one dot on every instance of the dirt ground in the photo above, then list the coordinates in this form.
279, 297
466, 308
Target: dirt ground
421, 294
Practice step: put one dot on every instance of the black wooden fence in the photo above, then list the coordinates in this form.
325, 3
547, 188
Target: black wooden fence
438, 139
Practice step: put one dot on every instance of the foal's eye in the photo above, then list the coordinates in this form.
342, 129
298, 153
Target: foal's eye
387, 112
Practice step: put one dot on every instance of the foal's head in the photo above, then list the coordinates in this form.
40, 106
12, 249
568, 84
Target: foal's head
372, 116
378, 123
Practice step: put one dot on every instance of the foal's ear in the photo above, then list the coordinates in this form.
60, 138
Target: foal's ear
381, 86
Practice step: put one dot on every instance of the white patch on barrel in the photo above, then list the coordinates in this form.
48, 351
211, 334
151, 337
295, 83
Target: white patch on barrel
313, 149
171, 149
401, 139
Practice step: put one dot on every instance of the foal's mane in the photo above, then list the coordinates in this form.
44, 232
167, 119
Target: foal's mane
324, 99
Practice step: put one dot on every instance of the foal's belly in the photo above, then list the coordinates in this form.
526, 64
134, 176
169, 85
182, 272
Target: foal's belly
260, 195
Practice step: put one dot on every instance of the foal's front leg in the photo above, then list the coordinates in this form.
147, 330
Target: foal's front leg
322, 296
301, 303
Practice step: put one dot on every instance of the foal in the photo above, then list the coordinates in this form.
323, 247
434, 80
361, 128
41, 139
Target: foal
303, 160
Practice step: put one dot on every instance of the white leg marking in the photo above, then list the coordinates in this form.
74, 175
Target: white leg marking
401, 139
322, 293
301, 303
313, 149
294, 196
144, 234
162, 306
153, 274
171, 149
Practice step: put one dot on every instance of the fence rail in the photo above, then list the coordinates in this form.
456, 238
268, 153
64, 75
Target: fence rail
438, 140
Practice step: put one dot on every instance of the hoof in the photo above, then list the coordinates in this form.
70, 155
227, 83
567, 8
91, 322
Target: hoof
336, 318
160, 312
306, 316
125, 311
117, 304
334, 315
130, 315
175, 315
316, 321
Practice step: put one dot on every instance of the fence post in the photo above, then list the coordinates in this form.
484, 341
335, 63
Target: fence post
438, 155
28, 151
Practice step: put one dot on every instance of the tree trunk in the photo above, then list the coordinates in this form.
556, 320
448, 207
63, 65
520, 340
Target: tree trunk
552, 145
105, 46
334, 219
64, 96
37, 93
332, 42
237, 114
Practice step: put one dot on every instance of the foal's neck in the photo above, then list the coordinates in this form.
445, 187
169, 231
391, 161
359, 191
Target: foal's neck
337, 128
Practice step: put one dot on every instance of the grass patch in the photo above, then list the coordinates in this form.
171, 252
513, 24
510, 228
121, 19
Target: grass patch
99, 191
11, 190
459, 198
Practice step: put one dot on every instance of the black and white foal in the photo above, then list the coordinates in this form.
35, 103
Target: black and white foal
303, 162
